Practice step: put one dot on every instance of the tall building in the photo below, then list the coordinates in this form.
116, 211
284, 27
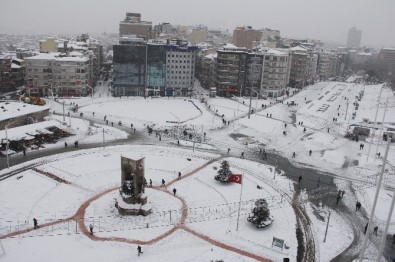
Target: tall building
132, 25
354, 38
180, 68
303, 66
129, 67
153, 68
5, 73
387, 64
231, 70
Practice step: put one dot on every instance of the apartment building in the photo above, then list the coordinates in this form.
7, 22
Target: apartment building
5, 73
246, 36
132, 25
303, 66
276, 73
63, 75
387, 63
231, 70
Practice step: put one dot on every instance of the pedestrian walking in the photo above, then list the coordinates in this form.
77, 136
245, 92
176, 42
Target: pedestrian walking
228, 150
160, 138
300, 178
328, 129
139, 251
91, 229
375, 229
179, 175
366, 228
76, 144
131, 126
65, 144
163, 182
285, 125
304, 130
338, 199
260, 150
24, 151
293, 155
343, 192
310, 152
242, 155
174, 191
150, 182
178, 142
265, 156
112, 124
134, 131
35, 224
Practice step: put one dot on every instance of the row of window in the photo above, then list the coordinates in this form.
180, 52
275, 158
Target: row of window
175, 55
179, 61
168, 66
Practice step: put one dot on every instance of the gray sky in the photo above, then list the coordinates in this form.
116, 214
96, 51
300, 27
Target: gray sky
318, 19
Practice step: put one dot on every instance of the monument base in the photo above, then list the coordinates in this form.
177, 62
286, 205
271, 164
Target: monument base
133, 206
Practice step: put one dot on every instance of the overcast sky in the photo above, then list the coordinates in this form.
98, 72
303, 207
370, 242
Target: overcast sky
328, 20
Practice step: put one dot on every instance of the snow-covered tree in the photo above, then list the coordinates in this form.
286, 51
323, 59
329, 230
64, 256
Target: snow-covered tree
260, 216
223, 173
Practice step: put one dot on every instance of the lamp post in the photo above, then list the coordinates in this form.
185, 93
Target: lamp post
6, 148
50, 90
91, 90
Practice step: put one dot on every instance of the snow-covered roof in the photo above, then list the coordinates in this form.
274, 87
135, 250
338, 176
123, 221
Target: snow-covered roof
275, 52
26, 132
211, 56
298, 48
15, 109
15, 66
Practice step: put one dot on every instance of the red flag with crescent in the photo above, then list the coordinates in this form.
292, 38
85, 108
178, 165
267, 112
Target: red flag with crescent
235, 178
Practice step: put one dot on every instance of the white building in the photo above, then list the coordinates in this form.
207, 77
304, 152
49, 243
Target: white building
180, 69
65, 75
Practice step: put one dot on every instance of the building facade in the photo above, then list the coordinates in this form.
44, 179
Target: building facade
231, 70
63, 75
132, 25
129, 67
354, 38
387, 64
180, 68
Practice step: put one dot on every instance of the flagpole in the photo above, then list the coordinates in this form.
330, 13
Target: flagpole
241, 192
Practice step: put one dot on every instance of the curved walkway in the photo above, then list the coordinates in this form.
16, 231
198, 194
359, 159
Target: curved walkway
80, 214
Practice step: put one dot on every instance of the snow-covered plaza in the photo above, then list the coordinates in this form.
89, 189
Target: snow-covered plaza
294, 148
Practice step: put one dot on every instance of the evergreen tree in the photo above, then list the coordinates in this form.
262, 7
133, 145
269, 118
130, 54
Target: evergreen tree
260, 214
223, 173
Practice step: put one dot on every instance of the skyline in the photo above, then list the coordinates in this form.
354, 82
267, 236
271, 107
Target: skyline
313, 19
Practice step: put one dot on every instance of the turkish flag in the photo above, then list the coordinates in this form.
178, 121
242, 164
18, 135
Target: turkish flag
235, 178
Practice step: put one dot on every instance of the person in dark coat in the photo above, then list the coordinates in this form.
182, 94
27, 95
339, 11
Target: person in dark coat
242, 155
179, 175
293, 155
35, 224
150, 182
310, 152
76, 144
366, 228
375, 229
139, 251
24, 151
228, 150
91, 229
163, 182
300, 178
65, 144
174, 191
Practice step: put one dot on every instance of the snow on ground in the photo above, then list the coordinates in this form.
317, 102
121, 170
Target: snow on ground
324, 109
209, 204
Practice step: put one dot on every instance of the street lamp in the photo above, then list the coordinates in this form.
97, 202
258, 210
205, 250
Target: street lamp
6, 148
50, 90
91, 90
